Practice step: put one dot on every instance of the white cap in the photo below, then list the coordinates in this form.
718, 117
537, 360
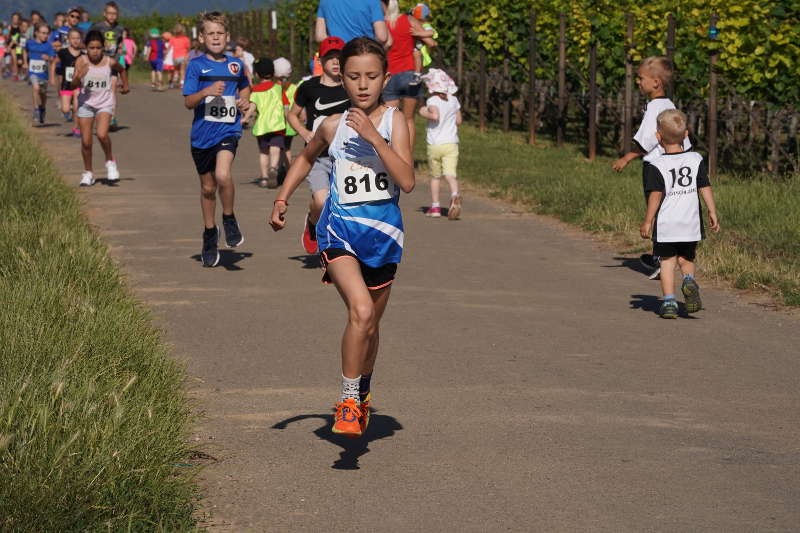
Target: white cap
283, 68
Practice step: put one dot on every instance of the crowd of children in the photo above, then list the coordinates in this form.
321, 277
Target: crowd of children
357, 157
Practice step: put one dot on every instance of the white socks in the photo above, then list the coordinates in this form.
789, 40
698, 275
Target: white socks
350, 388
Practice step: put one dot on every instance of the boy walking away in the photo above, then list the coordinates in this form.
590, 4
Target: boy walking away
674, 181
654, 76
269, 100
320, 97
217, 90
444, 117
154, 53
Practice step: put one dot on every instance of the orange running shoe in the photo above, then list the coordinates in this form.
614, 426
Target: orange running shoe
363, 420
346, 419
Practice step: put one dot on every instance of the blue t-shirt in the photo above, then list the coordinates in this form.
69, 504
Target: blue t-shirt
215, 118
351, 19
37, 65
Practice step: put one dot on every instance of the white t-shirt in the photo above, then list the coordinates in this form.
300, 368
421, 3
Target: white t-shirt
444, 130
168, 57
680, 177
646, 134
248, 59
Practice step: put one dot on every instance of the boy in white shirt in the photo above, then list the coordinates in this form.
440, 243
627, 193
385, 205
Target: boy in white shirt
654, 75
674, 182
444, 116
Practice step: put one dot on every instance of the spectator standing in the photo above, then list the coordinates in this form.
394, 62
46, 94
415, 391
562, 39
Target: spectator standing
180, 52
403, 88
351, 19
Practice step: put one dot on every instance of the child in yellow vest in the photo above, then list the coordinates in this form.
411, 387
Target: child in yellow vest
283, 71
270, 126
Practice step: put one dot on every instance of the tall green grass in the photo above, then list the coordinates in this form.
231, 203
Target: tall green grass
93, 416
758, 248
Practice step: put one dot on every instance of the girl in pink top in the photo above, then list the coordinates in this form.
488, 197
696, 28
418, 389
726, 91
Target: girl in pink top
180, 50
403, 86
93, 75
130, 48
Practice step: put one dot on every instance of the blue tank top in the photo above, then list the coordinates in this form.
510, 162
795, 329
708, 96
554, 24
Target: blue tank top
362, 212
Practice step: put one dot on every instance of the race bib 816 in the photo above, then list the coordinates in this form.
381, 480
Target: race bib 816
220, 109
357, 182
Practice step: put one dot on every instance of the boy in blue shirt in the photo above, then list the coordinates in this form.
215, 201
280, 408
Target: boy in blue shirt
39, 56
216, 88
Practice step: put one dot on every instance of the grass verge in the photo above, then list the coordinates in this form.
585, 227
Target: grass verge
758, 247
93, 416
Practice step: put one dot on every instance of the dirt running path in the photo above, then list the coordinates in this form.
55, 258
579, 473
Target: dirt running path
524, 383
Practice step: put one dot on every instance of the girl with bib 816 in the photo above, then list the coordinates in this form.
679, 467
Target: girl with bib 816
360, 229
94, 76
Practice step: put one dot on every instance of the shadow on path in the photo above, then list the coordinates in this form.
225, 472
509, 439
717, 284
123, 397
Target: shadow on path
310, 261
632, 263
228, 259
380, 427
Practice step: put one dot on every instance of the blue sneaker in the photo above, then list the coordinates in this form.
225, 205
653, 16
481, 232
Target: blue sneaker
210, 253
233, 237
669, 309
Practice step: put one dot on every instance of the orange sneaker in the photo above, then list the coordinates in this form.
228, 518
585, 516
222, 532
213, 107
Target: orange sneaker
346, 419
363, 420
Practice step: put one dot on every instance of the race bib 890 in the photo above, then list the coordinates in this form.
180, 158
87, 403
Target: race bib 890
356, 182
220, 109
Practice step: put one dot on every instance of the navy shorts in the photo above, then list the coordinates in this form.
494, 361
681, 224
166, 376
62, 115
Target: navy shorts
157, 65
687, 250
375, 278
205, 159
399, 86
277, 140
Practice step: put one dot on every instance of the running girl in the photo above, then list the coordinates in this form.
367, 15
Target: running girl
93, 74
360, 230
68, 56
39, 56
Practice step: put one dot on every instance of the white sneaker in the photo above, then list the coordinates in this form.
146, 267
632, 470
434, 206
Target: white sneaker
113, 173
87, 179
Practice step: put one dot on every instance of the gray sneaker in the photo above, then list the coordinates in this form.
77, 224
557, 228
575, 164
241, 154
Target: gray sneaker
691, 293
669, 309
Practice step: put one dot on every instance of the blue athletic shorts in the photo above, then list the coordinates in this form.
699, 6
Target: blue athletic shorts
157, 65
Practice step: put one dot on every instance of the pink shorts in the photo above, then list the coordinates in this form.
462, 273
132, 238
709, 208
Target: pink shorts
66, 93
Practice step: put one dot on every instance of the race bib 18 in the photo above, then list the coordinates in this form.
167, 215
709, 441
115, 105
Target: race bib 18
220, 109
68, 73
37, 66
356, 182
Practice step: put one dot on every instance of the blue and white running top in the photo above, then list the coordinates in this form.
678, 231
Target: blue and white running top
362, 212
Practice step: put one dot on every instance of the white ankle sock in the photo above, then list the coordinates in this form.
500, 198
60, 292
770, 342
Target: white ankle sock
435, 204
350, 388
